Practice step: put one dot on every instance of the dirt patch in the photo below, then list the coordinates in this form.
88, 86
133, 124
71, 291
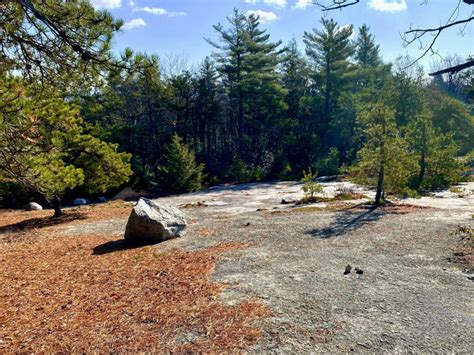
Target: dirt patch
404, 208
338, 197
63, 295
463, 252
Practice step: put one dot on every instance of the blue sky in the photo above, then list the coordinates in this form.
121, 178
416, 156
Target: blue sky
178, 27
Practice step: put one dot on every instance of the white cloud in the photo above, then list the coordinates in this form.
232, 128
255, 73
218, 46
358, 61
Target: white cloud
136, 22
159, 11
388, 5
302, 4
275, 3
106, 4
264, 16
151, 10
131, 3
177, 13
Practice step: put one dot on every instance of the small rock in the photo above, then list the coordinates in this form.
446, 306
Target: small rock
152, 222
348, 269
102, 199
247, 224
288, 200
33, 206
80, 201
359, 271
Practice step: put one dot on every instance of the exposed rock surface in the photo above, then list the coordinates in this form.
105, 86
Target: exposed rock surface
153, 222
33, 206
409, 298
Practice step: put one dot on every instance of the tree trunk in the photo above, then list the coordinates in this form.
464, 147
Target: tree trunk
421, 175
57, 207
378, 195
240, 122
327, 97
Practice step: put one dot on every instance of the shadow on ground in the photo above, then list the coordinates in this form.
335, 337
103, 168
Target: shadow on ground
346, 221
34, 223
118, 245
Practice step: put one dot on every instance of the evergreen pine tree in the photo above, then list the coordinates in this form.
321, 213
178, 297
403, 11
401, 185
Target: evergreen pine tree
436, 152
367, 53
384, 160
299, 142
179, 171
210, 120
231, 56
330, 50
44, 147
248, 65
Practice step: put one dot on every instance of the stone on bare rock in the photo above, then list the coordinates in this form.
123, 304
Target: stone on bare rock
153, 222
33, 206
80, 201
288, 200
348, 269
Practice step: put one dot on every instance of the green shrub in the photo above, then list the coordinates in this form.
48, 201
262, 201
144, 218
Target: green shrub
329, 165
239, 171
286, 172
469, 160
242, 173
310, 186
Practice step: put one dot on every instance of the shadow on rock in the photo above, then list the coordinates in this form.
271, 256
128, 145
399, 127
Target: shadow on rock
346, 221
43, 222
119, 245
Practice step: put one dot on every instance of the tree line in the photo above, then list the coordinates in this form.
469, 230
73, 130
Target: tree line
255, 109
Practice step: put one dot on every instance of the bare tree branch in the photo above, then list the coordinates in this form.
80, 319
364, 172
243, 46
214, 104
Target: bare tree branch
455, 68
440, 28
337, 4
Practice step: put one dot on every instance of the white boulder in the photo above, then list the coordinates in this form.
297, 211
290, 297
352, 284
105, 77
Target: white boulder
33, 206
151, 222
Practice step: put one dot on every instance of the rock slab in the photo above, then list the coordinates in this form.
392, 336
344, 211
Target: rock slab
151, 222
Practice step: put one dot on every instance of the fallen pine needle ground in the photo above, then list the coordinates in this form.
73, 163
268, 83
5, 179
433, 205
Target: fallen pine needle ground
92, 293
